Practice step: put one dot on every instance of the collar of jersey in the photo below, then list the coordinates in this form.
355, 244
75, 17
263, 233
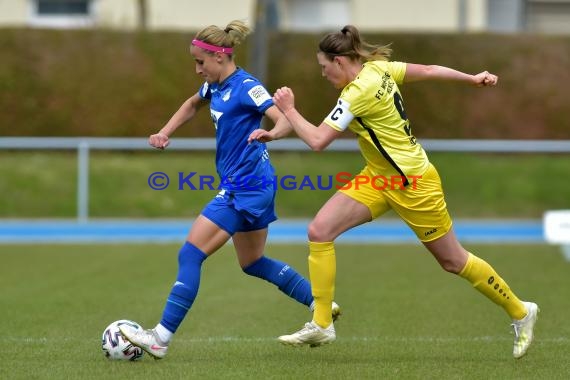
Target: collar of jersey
228, 79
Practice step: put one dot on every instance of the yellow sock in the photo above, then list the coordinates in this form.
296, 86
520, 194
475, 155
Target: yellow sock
484, 278
322, 272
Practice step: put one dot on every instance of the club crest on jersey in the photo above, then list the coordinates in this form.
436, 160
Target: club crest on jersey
216, 115
226, 96
259, 95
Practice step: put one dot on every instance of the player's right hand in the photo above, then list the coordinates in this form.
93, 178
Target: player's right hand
284, 99
159, 140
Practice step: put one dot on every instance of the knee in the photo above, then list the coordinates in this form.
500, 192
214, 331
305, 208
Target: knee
451, 266
190, 255
255, 267
451, 256
318, 233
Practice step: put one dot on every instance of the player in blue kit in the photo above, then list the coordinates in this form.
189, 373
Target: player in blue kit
242, 212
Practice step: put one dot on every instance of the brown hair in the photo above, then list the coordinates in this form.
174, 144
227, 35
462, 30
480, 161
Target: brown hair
233, 34
348, 43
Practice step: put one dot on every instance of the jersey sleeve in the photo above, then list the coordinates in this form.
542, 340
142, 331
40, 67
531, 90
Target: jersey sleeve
255, 96
397, 70
205, 92
340, 117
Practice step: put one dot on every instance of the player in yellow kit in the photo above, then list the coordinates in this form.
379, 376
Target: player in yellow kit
371, 106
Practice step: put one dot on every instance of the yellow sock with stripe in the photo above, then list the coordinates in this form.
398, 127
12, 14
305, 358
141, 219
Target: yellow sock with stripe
486, 280
322, 272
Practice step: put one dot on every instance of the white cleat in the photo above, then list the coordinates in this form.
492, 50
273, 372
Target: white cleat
145, 339
524, 330
312, 335
336, 312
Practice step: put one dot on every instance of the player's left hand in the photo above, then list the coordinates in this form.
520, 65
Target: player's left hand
260, 135
485, 79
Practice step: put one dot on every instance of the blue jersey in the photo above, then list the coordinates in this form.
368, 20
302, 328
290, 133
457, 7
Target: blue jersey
237, 106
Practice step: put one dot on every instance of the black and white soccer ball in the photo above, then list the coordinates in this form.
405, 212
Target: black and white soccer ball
115, 346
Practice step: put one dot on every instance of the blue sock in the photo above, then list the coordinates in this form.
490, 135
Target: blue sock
286, 278
185, 288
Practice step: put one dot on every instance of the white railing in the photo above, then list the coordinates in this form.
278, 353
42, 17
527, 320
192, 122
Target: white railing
84, 144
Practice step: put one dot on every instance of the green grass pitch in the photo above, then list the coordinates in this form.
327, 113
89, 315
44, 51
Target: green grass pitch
404, 318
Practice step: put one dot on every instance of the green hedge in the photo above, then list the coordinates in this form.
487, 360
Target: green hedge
103, 83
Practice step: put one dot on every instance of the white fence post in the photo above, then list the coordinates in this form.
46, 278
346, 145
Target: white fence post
83, 181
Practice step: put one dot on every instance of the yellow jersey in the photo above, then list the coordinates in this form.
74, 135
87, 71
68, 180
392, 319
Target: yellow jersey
372, 107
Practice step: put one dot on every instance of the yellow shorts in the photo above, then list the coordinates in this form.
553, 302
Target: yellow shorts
421, 204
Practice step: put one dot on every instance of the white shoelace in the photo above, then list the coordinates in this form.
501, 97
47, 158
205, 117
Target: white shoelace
516, 328
309, 327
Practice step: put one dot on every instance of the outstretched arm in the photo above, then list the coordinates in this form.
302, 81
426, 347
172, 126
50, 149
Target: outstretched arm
416, 72
317, 138
186, 112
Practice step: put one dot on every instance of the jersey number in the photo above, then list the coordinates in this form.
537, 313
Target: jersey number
399, 104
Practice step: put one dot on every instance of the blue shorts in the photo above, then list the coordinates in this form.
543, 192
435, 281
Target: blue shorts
242, 211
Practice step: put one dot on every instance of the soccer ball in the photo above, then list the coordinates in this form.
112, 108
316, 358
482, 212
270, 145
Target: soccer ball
115, 346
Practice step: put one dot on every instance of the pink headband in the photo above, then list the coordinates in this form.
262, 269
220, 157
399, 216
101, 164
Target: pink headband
214, 48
